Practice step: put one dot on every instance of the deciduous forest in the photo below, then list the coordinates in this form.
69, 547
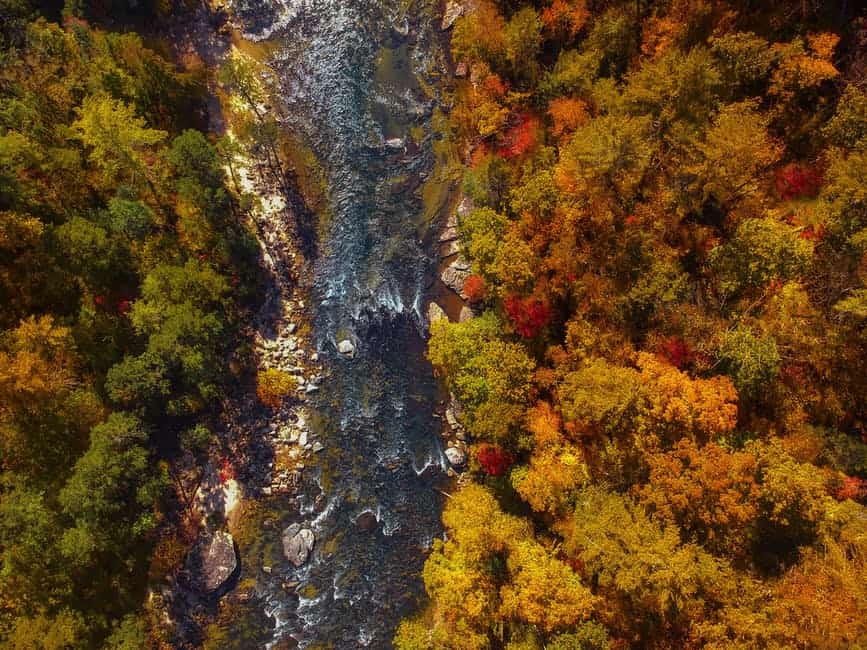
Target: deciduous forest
123, 269
665, 212
663, 382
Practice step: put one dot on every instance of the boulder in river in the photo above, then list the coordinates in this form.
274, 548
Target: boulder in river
346, 348
456, 457
297, 544
214, 561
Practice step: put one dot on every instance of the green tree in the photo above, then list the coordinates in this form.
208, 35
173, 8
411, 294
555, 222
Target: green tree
487, 374
751, 361
116, 137
760, 252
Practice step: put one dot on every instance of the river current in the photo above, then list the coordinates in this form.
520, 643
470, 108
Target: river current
355, 79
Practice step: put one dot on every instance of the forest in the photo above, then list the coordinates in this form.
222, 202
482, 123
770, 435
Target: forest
124, 269
665, 208
664, 384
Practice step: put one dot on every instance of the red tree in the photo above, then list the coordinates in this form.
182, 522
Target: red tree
520, 138
528, 315
795, 181
494, 460
676, 351
475, 288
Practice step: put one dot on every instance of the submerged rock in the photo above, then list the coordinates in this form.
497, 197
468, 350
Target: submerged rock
214, 561
366, 521
297, 544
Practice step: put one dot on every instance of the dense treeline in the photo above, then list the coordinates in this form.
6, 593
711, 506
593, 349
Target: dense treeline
666, 386
122, 268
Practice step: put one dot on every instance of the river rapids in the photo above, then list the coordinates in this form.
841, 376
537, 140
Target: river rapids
355, 79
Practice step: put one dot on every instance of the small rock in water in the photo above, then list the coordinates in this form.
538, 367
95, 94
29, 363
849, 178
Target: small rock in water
267, 569
394, 143
456, 457
297, 544
346, 347
311, 388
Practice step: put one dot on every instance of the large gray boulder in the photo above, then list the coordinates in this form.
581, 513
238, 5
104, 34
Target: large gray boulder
214, 561
297, 544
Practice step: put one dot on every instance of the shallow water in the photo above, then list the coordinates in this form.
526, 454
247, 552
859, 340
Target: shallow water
352, 76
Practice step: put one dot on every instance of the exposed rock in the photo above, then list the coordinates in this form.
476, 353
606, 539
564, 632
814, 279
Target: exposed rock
466, 314
297, 544
395, 143
456, 457
450, 248
453, 11
461, 69
450, 232
455, 274
465, 206
435, 312
215, 561
346, 347
452, 418
317, 447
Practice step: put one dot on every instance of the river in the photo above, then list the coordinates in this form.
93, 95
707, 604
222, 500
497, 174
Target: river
354, 81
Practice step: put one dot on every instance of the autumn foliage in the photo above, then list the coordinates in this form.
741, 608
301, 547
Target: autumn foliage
528, 315
665, 392
475, 288
494, 460
796, 181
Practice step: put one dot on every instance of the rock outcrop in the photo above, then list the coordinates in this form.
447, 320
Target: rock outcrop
453, 11
435, 312
455, 274
214, 561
